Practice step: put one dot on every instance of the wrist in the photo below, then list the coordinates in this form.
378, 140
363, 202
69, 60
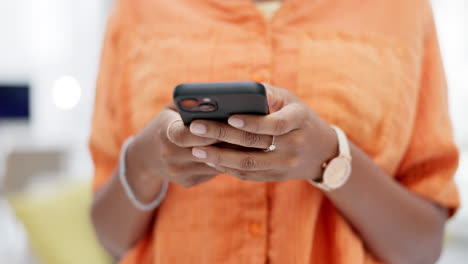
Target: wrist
145, 183
327, 146
331, 148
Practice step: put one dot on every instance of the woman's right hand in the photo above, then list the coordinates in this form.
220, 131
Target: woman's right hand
163, 150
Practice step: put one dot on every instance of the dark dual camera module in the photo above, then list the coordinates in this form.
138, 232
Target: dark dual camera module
204, 104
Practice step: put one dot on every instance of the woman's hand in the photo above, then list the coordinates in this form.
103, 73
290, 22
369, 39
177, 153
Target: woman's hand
303, 141
163, 150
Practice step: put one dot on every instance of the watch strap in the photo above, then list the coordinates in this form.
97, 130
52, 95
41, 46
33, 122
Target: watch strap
343, 145
319, 184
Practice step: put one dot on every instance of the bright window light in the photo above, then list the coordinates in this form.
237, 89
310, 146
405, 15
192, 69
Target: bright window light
66, 92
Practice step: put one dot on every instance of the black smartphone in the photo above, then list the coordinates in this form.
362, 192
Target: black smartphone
219, 100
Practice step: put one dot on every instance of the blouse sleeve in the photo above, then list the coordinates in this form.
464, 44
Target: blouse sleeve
431, 159
107, 134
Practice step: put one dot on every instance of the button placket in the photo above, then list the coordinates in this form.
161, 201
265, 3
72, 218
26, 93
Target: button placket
255, 229
261, 50
255, 221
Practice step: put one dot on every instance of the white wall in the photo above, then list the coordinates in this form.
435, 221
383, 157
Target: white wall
13, 44
42, 40
452, 24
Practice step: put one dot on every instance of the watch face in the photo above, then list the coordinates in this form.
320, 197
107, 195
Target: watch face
337, 172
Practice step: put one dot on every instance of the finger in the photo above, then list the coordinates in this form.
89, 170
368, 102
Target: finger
289, 118
180, 135
185, 170
177, 156
217, 168
260, 176
191, 174
195, 180
173, 154
199, 179
236, 159
278, 97
226, 133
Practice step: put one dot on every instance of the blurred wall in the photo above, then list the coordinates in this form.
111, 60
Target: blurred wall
42, 40
452, 24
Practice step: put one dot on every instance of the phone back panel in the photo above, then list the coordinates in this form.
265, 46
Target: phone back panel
228, 97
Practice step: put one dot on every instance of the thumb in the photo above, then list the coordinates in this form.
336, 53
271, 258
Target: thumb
278, 97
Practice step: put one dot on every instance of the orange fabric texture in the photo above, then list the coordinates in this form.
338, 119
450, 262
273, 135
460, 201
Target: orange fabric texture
371, 67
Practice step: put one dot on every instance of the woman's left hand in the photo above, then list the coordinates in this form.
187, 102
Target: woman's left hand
303, 141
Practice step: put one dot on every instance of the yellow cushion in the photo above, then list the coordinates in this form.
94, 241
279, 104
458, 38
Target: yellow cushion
59, 227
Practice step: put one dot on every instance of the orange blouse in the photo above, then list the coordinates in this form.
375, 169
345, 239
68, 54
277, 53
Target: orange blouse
371, 67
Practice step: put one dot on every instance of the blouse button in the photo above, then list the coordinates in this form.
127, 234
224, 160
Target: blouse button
260, 76
254, 229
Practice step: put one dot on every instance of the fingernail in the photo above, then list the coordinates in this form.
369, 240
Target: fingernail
198, 129
210, 164
201, 154
236, 122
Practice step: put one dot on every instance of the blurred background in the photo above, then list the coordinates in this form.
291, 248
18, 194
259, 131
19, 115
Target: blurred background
49, 55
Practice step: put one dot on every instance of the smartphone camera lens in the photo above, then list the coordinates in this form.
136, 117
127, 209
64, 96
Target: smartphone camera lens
207, 107
198, 104
188, 104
